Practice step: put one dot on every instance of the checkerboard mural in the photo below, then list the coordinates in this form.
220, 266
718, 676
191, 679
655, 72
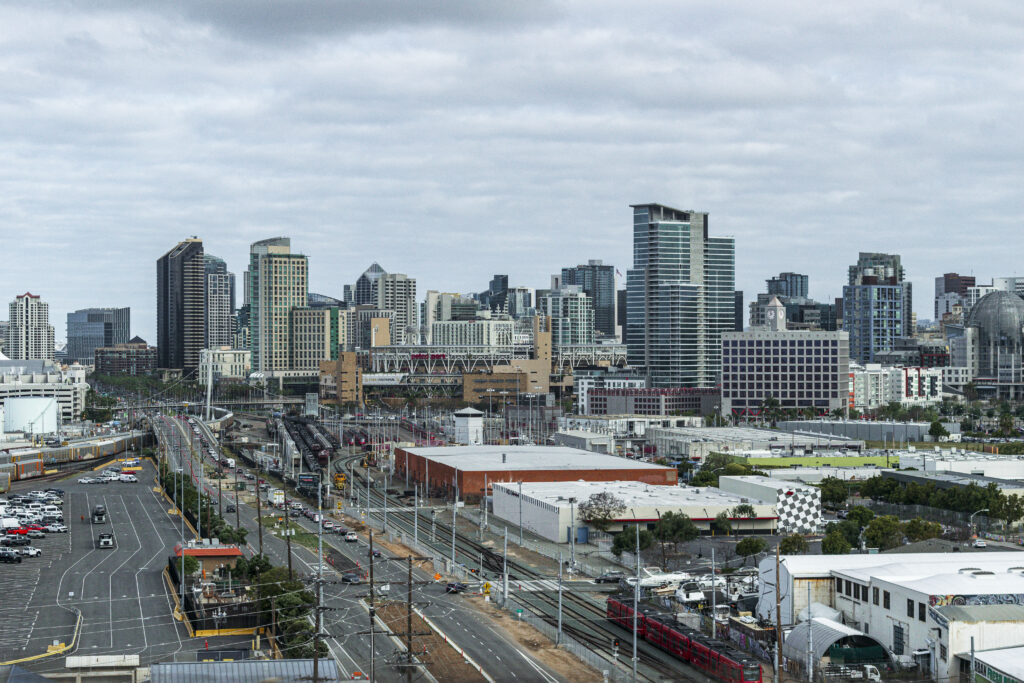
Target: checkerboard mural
799, 511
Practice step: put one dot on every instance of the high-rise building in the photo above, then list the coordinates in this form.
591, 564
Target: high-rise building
497, 292
391, 292
219, 301
29, 332
788, 284
93, 328
737, 311
877, 304
318, 334
134, 357
180, 306
950, 290
597, 281
572, 315
277, 284
680, 297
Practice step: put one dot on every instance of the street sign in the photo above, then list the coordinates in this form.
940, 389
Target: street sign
487, 588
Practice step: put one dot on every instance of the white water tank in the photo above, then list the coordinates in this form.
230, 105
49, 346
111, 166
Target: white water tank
30, 414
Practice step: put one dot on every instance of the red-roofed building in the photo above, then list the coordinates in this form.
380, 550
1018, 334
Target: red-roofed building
211, 557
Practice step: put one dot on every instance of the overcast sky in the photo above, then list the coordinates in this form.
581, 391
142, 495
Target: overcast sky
454, 139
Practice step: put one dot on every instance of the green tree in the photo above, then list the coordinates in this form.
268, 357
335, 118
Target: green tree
191, 565
601, 509
625, 541
861, 515
745, 510
794, 544
721, 524
883, 532
937, 431
1006, 424
918, 529
835, 543
749, 546
833, 491
672, 529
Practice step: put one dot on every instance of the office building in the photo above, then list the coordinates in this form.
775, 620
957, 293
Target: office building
801, 369
219, 301
341, 380
737, 311
788, 285
92, 328
317, 334
278, 282
873, 386
29, 332
597, 281
444, 307
951, 289
877, 304
225, 363
394, 292
572, 315
494, 297
585, 381
475, 333
654, 401
681, 293
180, 306
134, 357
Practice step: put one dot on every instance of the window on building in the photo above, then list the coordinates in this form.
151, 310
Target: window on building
839, 585
942, 652
910, 608
874, 595
921, 614
897, 639
849, 588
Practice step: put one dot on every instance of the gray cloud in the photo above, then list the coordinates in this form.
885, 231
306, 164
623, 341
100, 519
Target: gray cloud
455, 140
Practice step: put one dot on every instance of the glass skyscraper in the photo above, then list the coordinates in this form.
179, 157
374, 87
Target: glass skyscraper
93, 328
597, 280
680, 297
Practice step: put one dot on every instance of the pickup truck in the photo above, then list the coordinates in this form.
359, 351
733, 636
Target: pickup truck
105, 541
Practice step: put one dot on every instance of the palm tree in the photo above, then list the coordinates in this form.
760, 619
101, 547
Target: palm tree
743, 510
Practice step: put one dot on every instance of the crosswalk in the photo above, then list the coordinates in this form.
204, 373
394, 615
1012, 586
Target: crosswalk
534, 586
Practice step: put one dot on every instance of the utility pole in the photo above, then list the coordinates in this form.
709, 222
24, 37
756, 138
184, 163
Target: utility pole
259, 514
558, 640
504, 571
778, 617
408, 620
288, 532
416, 515
372, 608
810, 637
714, 596
319, 572
238, 524
220, 498
636, 598
520, 513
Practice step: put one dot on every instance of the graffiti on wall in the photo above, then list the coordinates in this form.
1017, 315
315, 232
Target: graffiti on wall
989, 599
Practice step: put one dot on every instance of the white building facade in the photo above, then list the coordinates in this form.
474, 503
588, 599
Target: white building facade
874, 386
43, 379
29, 332
228, 363
472, 333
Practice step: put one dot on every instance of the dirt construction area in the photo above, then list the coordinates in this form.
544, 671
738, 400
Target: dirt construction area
441, 660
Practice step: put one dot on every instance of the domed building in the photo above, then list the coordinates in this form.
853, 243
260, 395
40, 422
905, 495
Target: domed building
993, 345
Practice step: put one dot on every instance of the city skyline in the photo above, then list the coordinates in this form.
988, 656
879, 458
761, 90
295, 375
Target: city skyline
308, 122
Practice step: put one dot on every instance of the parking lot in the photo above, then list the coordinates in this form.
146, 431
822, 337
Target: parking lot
119, 593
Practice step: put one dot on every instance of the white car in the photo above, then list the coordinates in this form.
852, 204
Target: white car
128, 478
29, 551
86, 480
55, 529
351, 537
980, 543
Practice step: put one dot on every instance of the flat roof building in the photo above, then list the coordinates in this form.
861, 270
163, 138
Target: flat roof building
467, 466
798, 505
696, 443
551, 509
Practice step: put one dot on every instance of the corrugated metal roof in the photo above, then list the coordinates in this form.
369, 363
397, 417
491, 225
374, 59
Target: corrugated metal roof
974, 613
825, 632
1009, 661
245, 671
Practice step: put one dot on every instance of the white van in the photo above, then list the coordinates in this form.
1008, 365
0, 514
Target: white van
50, 510
128, 478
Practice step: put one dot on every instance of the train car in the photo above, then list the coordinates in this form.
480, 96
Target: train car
712, 656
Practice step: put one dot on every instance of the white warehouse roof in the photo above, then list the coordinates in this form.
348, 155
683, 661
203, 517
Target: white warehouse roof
632, 493
910, 565
488, 458
776, 484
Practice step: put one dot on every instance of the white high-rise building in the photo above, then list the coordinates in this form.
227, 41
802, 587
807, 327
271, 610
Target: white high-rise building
29, 333
572, 315
277, 284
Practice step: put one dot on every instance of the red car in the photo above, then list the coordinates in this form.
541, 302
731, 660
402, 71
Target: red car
32, 527
16, 530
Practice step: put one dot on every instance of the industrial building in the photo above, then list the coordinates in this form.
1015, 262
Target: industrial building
585, 441
696, 443
798, 505
923, 608
814, 475
886, 432
962, 462
551, 509
43, 379
949, 480
467, 466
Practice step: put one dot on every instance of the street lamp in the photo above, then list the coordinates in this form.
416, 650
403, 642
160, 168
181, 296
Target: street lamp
972, 517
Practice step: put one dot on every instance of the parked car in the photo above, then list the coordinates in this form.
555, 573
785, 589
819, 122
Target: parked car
29, 551
14, 541
10, 556
86, 480
611, 577
35, 533
980, 543
56, 528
